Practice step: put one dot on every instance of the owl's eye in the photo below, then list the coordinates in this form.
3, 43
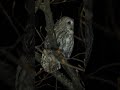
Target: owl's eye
69, 22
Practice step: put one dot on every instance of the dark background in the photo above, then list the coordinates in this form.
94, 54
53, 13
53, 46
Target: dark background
106, 44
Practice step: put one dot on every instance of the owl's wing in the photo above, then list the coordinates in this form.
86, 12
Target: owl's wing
49, 62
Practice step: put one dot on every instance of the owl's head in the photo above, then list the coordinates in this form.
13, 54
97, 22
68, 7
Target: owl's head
66, 23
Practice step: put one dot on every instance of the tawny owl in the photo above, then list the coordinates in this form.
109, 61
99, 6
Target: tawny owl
64, 31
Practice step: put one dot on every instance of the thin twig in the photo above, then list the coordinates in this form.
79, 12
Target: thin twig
77, 60
78, 38
78, 54
9, 19
104, 67
103, 80
45, 77
39, 34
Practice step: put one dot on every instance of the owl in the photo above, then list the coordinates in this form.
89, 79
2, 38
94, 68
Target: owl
49, 61
64, 34
64, 30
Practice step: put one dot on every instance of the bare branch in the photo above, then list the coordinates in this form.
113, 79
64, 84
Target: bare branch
63, 80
